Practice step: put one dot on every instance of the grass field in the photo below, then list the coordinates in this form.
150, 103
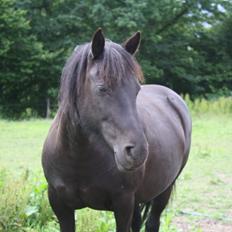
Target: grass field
202, 200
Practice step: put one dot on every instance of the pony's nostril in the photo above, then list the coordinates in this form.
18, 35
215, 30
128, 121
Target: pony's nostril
129, 150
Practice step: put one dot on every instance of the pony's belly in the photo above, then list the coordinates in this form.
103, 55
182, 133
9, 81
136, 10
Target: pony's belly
160, 173
147, 192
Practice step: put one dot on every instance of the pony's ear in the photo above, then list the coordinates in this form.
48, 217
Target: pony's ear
132, 44
98, 43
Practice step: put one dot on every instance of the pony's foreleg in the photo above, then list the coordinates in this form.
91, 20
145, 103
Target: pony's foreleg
137, 219
64, 214
123, 211
158, 205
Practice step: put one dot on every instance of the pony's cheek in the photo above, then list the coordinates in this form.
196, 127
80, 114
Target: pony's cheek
109, 132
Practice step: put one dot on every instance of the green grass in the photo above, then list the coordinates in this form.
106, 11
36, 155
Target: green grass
203, 191
21, 144
205, 186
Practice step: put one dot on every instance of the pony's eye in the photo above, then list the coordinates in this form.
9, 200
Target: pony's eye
102, 89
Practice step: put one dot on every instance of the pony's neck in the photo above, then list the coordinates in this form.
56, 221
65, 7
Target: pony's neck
77, 141
85, 150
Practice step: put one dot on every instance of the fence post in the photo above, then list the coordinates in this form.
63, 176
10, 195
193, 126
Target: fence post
48, 111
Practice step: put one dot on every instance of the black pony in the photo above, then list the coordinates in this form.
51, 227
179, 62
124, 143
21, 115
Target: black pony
114, 144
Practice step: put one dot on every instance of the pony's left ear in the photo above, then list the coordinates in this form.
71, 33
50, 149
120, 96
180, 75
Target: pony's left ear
98, 43
132, 44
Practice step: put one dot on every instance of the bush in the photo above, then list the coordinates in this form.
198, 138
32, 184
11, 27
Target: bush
23, 202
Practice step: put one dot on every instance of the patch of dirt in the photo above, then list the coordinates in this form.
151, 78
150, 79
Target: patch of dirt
206, 225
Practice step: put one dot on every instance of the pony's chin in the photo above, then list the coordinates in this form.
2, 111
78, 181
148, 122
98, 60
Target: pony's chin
125, 167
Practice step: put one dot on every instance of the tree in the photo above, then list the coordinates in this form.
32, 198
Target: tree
178, 48
176, 57
22, 59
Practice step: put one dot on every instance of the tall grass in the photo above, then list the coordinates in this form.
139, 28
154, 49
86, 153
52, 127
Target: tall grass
23, 202
221, 105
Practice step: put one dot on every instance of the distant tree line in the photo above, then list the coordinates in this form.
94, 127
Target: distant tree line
186, 45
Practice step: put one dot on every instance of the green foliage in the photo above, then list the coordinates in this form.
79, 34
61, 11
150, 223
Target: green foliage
23, 202
38, 211
23, 63
166, 222
12, 204
185, 45
221, 105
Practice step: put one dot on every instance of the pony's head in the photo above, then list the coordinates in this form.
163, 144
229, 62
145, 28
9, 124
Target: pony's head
99, 88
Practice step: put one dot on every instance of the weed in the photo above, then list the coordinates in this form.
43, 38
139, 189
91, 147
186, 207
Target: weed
23, 202
221, 105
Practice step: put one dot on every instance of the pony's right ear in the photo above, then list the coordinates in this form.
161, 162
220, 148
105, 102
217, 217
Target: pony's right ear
98, 43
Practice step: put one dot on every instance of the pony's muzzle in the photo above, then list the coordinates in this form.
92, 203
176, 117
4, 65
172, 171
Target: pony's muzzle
131, 156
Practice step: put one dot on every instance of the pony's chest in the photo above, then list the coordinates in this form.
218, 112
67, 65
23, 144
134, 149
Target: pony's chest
86, 192
79, 196
94, 197
97, 191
